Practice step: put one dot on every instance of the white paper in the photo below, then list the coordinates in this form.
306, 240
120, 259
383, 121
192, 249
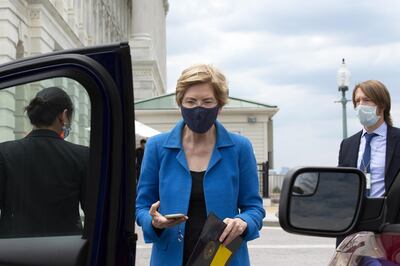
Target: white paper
368, 179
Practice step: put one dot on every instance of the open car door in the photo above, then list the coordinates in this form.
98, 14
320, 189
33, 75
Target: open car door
99, 81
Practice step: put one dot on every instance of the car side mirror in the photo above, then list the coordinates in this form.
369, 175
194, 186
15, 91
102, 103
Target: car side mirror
322, 201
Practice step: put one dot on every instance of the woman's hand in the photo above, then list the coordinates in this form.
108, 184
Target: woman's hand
235, 227
159, 221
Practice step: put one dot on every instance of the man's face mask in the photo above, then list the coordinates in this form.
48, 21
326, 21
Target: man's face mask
367, 115
199, 119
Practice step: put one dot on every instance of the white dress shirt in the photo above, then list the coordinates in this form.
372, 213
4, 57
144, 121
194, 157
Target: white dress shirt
378, 160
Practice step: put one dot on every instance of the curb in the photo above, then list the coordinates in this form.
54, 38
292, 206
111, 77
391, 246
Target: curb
271, 223
271, 219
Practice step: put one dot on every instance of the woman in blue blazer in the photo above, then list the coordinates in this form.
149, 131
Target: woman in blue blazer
197, 168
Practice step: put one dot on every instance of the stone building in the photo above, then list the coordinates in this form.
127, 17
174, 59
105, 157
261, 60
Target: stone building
33, 27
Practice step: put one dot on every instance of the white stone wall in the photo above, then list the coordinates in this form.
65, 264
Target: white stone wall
148, 44
11, 31
32, 27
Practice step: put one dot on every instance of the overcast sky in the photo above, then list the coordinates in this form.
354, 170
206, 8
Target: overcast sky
287, 53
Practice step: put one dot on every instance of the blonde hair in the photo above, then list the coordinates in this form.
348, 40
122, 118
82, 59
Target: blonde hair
199, 74
377, 92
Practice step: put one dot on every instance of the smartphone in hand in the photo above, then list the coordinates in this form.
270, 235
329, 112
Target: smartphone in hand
174, 216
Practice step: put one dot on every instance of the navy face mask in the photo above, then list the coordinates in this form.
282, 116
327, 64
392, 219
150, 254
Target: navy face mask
66, 130
199, 119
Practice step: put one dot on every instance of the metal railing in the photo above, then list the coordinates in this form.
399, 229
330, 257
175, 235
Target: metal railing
263, 179
269, 185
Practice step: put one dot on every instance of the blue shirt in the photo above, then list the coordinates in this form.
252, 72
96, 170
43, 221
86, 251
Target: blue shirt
378, 159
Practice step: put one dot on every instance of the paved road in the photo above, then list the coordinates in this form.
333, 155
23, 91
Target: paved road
274, 247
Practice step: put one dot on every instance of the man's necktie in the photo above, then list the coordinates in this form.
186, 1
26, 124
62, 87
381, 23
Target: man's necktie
366, 159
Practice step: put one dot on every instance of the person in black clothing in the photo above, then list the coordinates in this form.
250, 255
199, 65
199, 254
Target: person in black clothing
139, 157
42, 176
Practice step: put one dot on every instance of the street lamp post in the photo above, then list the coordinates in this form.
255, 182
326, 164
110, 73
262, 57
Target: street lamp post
343, 82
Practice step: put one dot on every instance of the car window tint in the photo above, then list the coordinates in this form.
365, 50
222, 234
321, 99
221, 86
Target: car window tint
42, 175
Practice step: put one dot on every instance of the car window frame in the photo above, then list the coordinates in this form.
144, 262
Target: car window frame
106, 119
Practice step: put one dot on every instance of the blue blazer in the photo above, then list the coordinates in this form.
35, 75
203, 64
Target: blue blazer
230, 190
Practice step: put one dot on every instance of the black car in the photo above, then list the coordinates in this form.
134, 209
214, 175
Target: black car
331, 202
104, 75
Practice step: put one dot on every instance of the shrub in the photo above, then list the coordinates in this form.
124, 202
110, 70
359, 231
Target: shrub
276, 190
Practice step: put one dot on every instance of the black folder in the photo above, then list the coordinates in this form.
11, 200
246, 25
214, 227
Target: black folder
208, 250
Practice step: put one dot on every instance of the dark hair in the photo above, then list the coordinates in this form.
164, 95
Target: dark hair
47, 105
142, 141
378, 93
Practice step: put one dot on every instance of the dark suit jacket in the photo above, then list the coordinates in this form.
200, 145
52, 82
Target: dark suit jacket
139, 158
348, 154
42, 181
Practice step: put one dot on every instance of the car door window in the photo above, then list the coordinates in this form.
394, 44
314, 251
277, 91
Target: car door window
42, 175
108, 236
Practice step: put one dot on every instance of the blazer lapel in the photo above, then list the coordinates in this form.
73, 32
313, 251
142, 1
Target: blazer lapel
223, 140
181, 158
174, 142
391, 144
215, 158
354, 147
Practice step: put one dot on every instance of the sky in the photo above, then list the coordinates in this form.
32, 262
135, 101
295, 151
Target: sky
287, 53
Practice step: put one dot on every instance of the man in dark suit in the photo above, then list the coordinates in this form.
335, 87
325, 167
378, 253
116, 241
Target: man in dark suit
139, 157
376, 148
42, 176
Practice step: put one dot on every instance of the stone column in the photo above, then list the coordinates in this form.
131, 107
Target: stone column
41, 40
8, 43
22, 123
148, 42
73, 89
84, 118
271, 143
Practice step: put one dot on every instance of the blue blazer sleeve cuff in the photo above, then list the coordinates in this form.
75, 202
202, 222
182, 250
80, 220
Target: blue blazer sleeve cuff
149, 233
252, 231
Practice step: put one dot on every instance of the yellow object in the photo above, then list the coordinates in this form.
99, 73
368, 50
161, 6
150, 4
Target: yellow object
221, 257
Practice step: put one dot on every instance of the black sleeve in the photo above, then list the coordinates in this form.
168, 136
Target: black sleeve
340, 159
137, 155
